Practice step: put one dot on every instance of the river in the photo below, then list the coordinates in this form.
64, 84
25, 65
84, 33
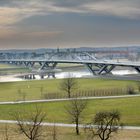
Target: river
60, 75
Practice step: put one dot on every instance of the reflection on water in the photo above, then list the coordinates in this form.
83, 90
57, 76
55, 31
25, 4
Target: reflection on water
77, 74
73, 74
123, 72
9, 78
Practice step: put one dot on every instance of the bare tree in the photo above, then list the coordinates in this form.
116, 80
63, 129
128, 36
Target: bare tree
75, 109
68, 85
54, 132
29, 124
6, 133
104, 124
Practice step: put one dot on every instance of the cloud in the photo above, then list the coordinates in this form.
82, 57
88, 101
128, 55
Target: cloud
26, 23
14, 37
17, 11
120, 8
29, 41
14, 11
10, 16
14, 34
115, 8
6, 33
47, 34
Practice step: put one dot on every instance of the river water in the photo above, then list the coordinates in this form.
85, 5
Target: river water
60, 75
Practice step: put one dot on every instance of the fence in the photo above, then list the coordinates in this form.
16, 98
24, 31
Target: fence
89, 93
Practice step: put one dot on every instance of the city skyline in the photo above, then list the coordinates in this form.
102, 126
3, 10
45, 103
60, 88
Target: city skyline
74, 23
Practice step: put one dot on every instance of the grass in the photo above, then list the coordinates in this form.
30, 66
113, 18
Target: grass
128, 107
10, 91
4, 66
11, 69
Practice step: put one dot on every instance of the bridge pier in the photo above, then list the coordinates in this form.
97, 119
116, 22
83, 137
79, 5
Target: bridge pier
28, 64
102, 68
106, 68
111, 68
137, 69
91, 69
25, 77
47, 65
29, 76
51, 74
34, 76
42, 76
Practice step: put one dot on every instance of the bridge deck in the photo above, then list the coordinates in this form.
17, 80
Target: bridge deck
129, 64
102, 65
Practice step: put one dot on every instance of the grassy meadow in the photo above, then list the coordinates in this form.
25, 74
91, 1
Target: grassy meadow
128, 107
13, 91
12, 69
55, 111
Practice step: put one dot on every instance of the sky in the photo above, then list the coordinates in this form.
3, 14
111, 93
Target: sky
69, 23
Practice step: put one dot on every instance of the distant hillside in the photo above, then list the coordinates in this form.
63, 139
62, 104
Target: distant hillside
43, 50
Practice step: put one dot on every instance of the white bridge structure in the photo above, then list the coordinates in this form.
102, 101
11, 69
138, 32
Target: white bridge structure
95, 66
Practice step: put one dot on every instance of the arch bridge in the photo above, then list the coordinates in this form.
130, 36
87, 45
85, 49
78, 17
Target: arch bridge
97, 67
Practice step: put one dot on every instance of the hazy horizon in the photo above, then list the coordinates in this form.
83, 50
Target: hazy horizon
69, 23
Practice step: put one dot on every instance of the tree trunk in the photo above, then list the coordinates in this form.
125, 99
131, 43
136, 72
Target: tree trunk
77, 129
69, 94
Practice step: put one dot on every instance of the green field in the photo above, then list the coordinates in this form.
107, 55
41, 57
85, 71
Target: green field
128, 107
4, 66
11, 69
37, 89
13, 91
34, 89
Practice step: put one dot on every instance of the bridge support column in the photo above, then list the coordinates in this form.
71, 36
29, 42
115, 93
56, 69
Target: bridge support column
51, 74
34, 76
90, 67
28, 64
25, 77
111, 68
101, 68
137, 69
30, 76
47, 65
42, 76
106, 69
